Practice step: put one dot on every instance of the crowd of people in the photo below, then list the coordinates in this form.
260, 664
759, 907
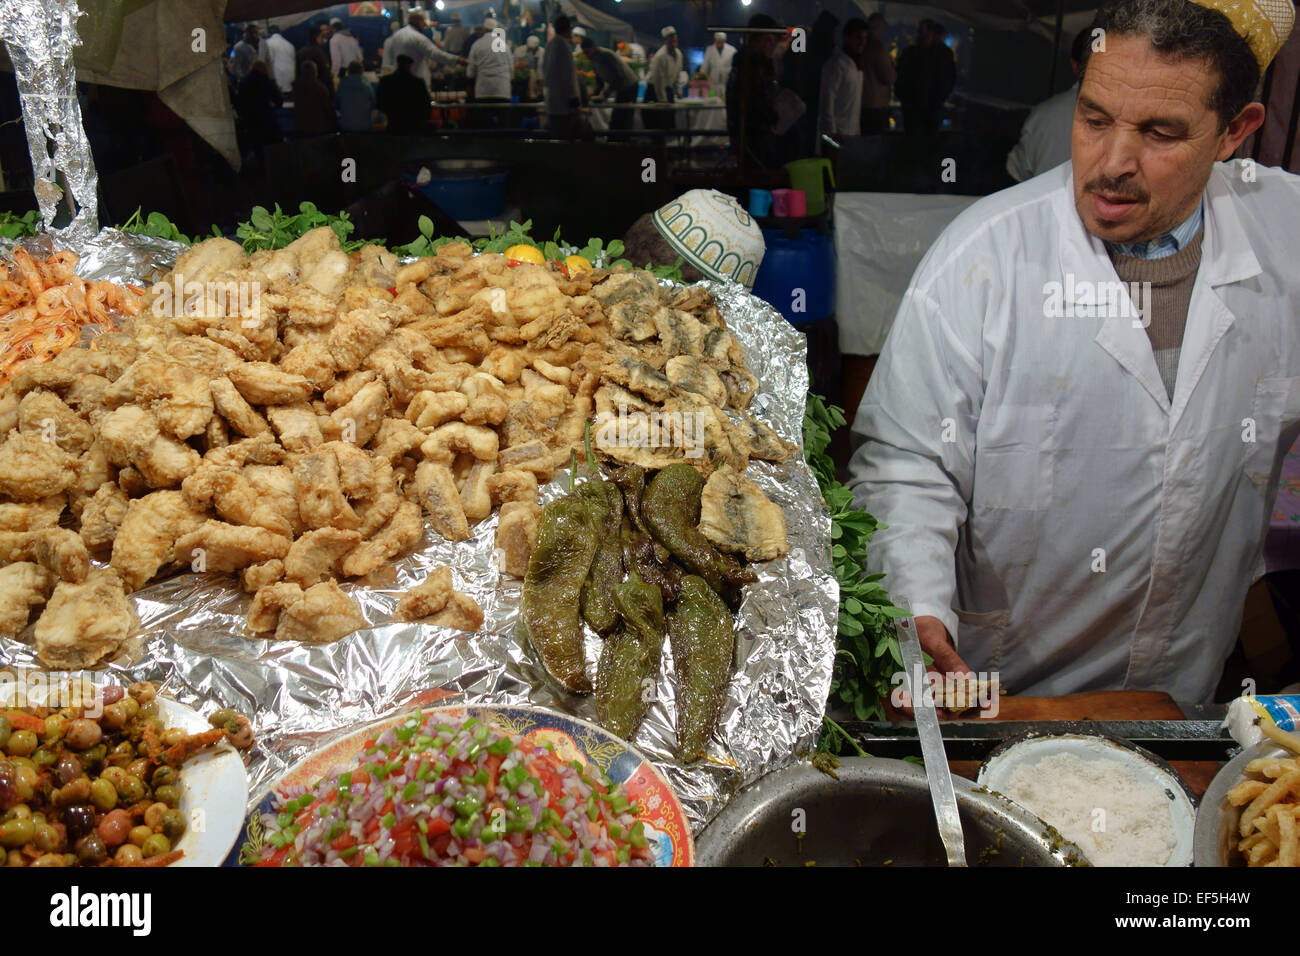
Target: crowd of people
333, 83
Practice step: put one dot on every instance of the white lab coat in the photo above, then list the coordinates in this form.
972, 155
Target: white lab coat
840, 112
491, 70
1011, 453
409, 41
282, 59
1045, 137
665, 71
344, 48
717, 65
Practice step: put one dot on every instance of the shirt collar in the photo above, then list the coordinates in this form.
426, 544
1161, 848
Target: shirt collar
1166, 245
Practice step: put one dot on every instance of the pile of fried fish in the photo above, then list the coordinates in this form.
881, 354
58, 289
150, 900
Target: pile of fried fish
304, 416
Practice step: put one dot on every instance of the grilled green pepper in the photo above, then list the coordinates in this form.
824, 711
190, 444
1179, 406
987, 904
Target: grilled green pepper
700, 631
630, 480
629, 659
567, 536
670, 508
597, 602
641, 552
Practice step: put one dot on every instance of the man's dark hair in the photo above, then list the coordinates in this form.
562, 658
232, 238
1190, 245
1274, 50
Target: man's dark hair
563, 25
356, 67
1079, 48
856, 25
763, 21
587, 42
1188, 31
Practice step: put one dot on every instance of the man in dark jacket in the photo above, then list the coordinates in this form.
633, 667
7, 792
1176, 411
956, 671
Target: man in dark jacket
752, 91
404, 99
615, 79
927, 72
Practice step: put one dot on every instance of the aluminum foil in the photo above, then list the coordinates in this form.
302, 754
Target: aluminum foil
302, 697
40, 36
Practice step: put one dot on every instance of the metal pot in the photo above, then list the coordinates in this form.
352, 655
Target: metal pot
877, 813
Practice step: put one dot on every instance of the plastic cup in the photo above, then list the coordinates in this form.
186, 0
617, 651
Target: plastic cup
781, 203
760, 203
797, 204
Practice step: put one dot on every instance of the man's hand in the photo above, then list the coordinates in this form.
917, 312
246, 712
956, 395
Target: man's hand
936, 642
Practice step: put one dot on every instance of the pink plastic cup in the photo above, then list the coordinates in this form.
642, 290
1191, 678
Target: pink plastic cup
781, 203
797, 204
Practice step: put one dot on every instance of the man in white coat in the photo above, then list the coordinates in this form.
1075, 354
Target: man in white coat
411, 41
717, 62
1076, 492
840, 112
1045, 137
281, 56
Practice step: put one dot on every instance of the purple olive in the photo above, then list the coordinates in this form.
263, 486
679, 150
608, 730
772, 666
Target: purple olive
68, 769
8, 785
79, 819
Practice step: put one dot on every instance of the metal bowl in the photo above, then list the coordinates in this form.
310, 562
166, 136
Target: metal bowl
877, 813
1215, 841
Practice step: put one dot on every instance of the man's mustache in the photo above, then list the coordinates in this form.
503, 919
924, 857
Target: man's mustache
1116, 188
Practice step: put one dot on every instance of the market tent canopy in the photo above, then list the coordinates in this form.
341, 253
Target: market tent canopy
1034, 16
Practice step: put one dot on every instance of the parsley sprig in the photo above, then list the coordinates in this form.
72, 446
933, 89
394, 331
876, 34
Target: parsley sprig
14, 226
275, 229
867, 653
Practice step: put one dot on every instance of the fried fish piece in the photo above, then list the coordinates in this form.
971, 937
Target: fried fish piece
84, 623
341, 392
278, 490
317, 555
45, 415
322, 503
428, 597
313, 361
430, 409
32, 468
31, 515
461, 613
435, 489
230, 547
475, 499
235, 410
102, 516
517, 535
268, 602
57, 549
257, 576
356, 335
23, 586
693, 374
131, 437
399, 536
321, 616
737, 516
515, 485
262, 383
296, 426
146, 540
359, 419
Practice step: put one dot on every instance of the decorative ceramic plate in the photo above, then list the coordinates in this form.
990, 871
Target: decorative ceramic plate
573, 739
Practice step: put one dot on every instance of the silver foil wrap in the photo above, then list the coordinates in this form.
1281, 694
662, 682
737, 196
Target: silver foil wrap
302, 697
40, 36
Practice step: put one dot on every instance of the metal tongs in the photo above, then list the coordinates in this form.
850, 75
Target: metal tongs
927, 728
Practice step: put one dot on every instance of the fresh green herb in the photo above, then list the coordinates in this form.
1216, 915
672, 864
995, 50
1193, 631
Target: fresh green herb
155, 224
867, 653
276, 229
14, 226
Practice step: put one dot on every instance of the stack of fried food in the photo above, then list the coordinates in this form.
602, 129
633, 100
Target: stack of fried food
44, 306
293, 418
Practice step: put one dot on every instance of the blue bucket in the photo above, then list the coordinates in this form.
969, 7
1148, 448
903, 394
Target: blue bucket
797, 275
468, 190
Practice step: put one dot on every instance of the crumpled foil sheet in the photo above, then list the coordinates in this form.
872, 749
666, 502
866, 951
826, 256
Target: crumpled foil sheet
301, 698
40, 36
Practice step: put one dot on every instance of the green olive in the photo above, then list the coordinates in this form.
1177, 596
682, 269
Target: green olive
223, 718
25, 778
20, 812
149, 712
173, 825
51, 859
169, 795
164, 776
156, 845
14, 858
143, 691
103, 795
127, 854
55, 725
6, 729
39, 818
22, 743
17, 833
173, 736
122, 754
45, 838
154, 815
94, 756
139, 834
131, 789
44, 757
114, 775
